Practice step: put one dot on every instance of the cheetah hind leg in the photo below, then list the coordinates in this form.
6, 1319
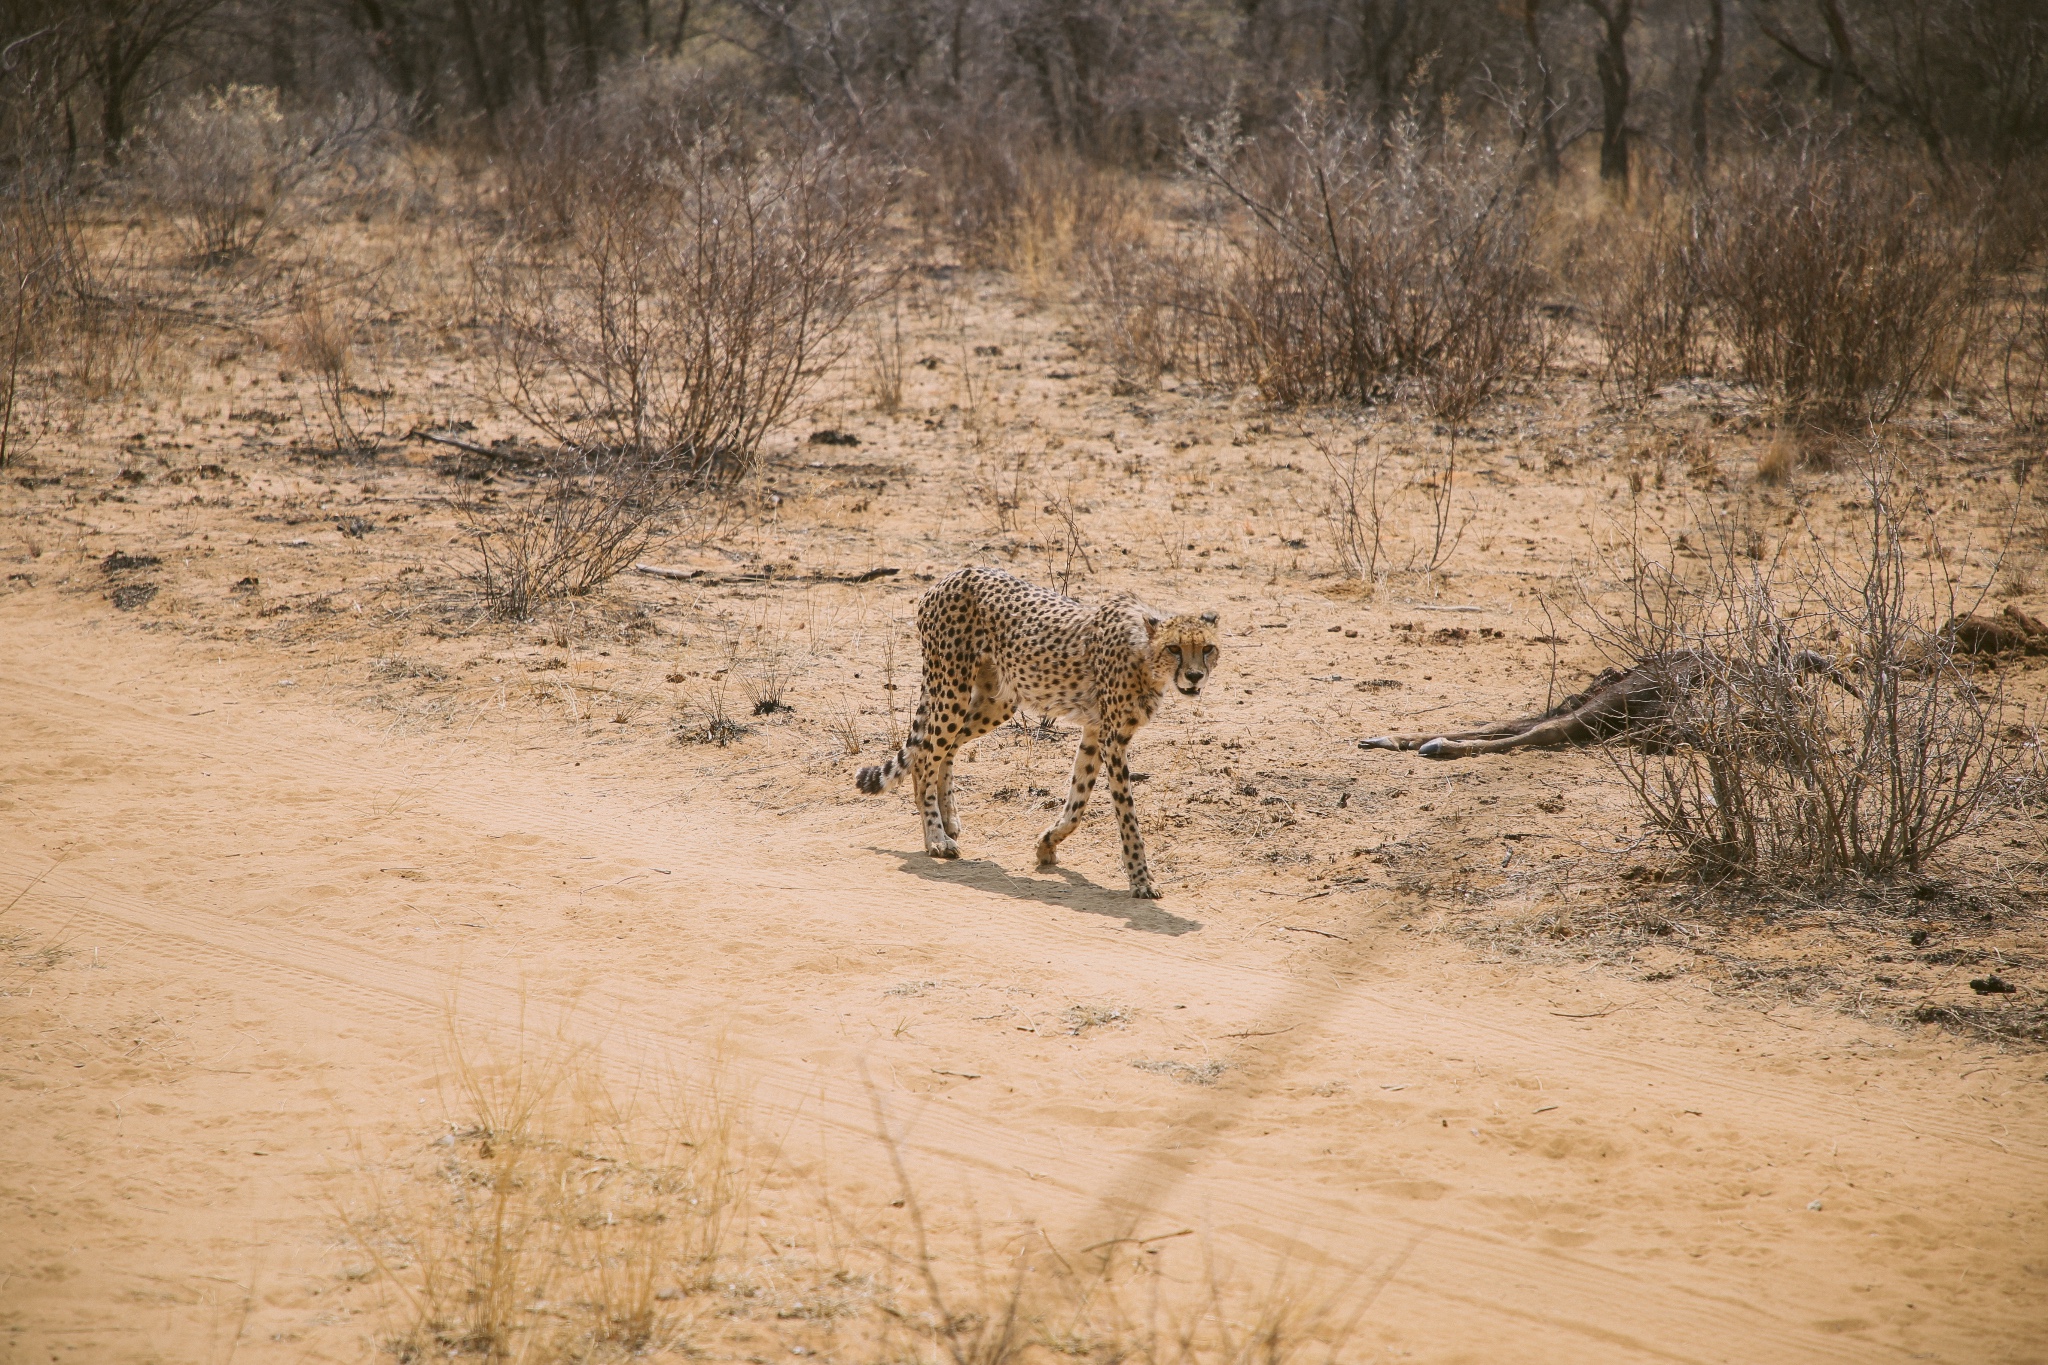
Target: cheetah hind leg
931, 774
986, 709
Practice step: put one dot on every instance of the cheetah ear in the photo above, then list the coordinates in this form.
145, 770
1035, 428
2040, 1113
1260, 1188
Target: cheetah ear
1153, 621
1209, 618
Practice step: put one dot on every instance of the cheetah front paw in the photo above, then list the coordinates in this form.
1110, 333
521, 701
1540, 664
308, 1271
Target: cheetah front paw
1048, 853
942, 848
1144, 890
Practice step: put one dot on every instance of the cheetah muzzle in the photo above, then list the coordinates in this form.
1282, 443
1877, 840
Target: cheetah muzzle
993, 643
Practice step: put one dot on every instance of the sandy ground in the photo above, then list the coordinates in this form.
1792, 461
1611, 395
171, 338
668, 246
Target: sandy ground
260, 844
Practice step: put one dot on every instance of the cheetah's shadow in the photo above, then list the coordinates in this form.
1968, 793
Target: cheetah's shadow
1071, 891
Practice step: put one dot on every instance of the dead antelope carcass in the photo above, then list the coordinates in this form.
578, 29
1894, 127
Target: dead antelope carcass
1630, 703
2012, 631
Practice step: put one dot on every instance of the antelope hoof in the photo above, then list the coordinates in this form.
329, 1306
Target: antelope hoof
1380, 742
1436, 748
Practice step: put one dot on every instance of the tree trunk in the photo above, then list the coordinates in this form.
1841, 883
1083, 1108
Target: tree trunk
533, 18
113, 110
1546, 129
1610, 63
583, 28
1710, 72
481, 89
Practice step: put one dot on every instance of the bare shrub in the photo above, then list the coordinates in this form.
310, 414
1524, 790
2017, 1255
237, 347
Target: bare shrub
42, 277
1374, 255
1768, 771
228, 164
1009, 197
1838, 281
1645, 293
318, 342
1154, 308
590, 517
1376, 523
2023, 359
685, 308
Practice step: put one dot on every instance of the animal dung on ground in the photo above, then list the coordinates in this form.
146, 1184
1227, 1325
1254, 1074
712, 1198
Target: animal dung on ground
132, 597
832, 436
118, 562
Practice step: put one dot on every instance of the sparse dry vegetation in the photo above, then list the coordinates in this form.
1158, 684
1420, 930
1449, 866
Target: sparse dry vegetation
591, 391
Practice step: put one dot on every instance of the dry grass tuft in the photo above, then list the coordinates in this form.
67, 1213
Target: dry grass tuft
556, 1220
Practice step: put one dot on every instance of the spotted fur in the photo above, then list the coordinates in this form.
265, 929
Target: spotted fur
992, 643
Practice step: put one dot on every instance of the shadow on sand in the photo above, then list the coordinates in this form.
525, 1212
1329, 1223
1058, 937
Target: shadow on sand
1060, 887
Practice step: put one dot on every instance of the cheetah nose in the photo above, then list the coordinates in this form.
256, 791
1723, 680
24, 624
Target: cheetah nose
1194, 675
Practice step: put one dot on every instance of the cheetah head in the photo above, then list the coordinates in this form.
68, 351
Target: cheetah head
1186, 646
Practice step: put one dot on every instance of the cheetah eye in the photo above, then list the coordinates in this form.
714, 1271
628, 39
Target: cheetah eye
1209, 651
1174, 648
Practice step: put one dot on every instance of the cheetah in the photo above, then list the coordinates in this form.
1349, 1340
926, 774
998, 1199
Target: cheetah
992, 643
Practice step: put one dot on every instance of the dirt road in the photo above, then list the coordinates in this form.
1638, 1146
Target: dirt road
241, 919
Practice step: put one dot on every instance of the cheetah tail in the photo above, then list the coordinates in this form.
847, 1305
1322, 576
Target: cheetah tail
878, 778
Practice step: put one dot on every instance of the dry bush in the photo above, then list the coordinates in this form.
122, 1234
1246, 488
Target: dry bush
1768, 769
43, 267
2023, 359
1387, 517
1154, 309
685, 306
228, 165
1008, 197
1839, 282
621, 138
1645, 296
1374, 255
318, 342
590, 517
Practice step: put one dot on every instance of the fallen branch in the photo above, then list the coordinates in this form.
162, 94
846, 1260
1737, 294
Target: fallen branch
1138, 1241
1298, 929
701, 576
442, 438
